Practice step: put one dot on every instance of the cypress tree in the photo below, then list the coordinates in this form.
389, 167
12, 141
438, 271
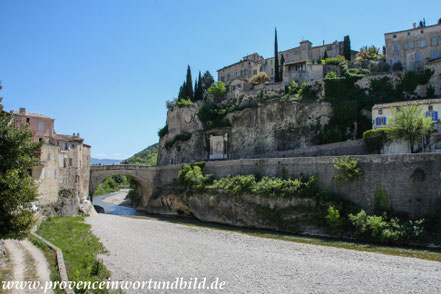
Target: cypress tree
183, 91
189, 85
198, 90
347, 48
325, 55
276, 59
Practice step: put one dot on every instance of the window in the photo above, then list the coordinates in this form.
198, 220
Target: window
254, 72
222, 79
380, 121
396, 47
56, 174
434, 41
40, 139
41, 126
380, 111
28, 119
228, 77
422, 43
238, 86
233, 87
417, 57
422, 31
48, 156
409, 45
408, 33
430, 108
435, 54
65, 162
395, 36
48, 173
271, 62
42, 173
390, 62
397, 60
433, 115
237, 74
70, 162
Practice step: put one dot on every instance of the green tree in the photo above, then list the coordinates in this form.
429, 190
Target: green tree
189, 84
207, 81
326, 54
276, 60
198, 90
368, 53
409, 123
347, 48
217, 90
183, 91
18, 153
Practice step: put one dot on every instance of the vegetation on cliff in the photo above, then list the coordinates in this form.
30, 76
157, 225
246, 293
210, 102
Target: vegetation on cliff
340, 217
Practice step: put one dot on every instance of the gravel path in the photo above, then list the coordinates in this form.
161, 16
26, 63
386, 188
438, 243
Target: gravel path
141, 249
18, 251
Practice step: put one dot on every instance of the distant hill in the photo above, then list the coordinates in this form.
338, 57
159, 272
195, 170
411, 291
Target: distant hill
104, 161
148, 156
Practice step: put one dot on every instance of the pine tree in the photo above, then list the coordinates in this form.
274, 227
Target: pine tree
207, 81
347, 48
276, 59
189, 84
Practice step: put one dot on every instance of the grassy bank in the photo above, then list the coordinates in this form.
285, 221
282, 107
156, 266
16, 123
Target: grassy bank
80, 248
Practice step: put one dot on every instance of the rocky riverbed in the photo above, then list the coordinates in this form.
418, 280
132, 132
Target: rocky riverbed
143, 249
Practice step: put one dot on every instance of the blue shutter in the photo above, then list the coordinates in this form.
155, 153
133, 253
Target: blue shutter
436, 115
427, 114
377, 121
384, 120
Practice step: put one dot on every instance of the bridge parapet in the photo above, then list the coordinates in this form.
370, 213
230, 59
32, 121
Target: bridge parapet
121, 167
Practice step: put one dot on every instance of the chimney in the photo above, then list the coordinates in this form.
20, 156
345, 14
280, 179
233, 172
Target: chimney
78, 135
414, 25
73, 135
22, 110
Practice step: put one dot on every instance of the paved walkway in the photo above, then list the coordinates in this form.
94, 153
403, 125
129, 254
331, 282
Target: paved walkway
141, 249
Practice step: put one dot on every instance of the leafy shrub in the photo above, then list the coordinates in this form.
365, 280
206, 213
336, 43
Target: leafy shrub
191, 176
269, 187
333, 218
212, 116
347, 167
180, 102
374, 140
260, 78
162, 132
236, 185
331, 75
304, 92
386, 230
217, 90
411, 80
333, 60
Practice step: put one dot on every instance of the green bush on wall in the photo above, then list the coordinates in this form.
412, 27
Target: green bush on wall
347, 167
374, 140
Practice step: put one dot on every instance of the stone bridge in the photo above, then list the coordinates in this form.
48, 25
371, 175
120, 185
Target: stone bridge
144, 175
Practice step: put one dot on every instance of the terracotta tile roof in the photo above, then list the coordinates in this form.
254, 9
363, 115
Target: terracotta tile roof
406, 103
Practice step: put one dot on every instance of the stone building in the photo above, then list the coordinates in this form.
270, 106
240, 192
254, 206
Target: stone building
382, 113
414, 47
300, 64
64, 159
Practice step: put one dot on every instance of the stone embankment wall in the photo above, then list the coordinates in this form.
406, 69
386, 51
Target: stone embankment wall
413, 181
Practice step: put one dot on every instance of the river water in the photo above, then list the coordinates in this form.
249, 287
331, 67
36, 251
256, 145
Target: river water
111, 208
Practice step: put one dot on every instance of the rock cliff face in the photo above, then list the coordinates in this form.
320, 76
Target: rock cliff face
294, 216
275, 126
265, 127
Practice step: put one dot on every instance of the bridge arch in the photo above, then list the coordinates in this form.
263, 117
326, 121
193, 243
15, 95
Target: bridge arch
143, 175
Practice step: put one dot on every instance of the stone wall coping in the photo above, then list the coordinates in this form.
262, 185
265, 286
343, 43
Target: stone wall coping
60, 262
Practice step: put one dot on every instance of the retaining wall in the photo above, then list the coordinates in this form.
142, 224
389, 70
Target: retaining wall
413, 181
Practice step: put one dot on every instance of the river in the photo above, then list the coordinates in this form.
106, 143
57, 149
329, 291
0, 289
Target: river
115, 203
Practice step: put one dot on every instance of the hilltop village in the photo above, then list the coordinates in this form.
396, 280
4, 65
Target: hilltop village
305, 97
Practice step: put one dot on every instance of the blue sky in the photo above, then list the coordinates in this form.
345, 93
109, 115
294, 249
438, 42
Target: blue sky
105, 68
